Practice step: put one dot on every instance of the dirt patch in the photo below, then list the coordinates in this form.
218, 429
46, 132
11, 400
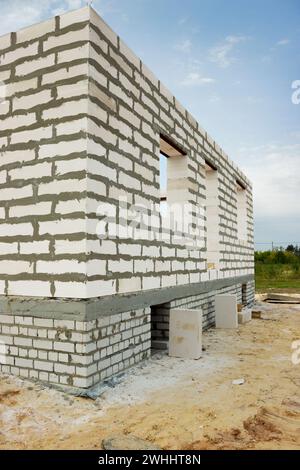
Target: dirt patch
261, 427
7, 396
175, 403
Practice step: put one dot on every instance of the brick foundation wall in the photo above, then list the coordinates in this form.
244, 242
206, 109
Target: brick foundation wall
82, 354
73, 353
206, 301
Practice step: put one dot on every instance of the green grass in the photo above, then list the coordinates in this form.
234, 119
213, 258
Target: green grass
272, 275
263, 285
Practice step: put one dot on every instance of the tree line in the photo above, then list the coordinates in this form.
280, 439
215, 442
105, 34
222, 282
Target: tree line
290, 255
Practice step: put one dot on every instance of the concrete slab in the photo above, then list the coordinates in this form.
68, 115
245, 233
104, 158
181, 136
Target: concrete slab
226, 311
245, 315
185, 339
282, 298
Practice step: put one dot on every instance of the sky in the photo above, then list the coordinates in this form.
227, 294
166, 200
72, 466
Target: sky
235, 65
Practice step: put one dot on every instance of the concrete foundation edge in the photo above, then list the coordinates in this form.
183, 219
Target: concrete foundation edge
91, 309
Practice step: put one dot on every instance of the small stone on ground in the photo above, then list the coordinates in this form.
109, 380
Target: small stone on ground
127, 443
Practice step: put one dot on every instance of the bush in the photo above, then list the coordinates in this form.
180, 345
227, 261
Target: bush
277, 257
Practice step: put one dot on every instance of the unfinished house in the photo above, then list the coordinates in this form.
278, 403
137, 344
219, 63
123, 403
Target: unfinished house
115, 207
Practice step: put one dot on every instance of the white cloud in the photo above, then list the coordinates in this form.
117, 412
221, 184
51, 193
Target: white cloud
215, 99
283, 42
18, 14
295, 134
183, 46
236, 39
266, 59
183, 20
253, 99
67, 5
74, 4
222, 54
195, 79
275, 172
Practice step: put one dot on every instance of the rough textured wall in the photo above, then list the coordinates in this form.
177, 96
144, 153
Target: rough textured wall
43, 123
128, 110
80, 129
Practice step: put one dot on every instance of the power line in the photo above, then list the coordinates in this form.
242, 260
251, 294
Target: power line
275, 243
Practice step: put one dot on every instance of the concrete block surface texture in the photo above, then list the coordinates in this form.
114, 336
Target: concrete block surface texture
226, 311
82, 125
245, 315
185, 336
86, 250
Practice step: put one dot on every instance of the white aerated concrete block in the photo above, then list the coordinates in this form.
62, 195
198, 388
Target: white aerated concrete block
245, 315
226, 311
185, 338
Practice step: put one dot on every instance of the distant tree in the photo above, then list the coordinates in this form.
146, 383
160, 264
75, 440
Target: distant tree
291, 248
280, 257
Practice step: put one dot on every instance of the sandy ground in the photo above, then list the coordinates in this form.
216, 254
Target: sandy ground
174, 403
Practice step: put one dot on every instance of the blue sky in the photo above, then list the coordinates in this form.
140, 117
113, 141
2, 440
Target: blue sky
232, 64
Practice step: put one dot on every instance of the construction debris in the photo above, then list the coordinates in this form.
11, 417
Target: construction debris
256, 314
238, 382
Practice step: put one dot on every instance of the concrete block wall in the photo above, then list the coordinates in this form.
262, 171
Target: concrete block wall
79, 129
43, 158
130, 109
248, 293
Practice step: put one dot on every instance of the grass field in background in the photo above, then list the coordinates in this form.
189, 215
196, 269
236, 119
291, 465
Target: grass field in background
264, 285
277, 270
